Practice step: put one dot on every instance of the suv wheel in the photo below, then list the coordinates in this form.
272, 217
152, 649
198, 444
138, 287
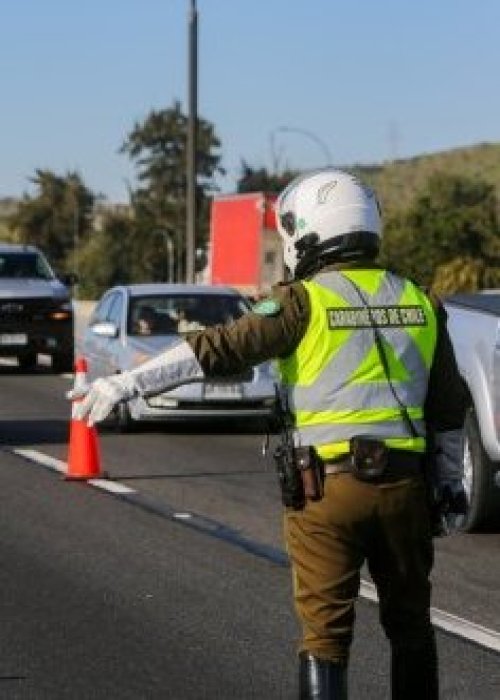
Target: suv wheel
63, 362
124, 421
28, 360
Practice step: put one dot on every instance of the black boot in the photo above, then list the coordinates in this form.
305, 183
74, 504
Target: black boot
321, 680
414, 672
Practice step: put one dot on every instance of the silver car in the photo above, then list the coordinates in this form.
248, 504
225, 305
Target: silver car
131, 324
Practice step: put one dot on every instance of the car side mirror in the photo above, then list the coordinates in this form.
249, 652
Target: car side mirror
105, 329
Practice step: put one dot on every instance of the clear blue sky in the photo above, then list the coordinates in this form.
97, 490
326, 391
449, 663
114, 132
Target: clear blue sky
369, 80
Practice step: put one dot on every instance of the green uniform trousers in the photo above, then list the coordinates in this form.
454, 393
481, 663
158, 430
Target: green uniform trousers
387, 525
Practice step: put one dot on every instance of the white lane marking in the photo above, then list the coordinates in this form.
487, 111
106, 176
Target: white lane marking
450, 623
463, 628
485, 637
111, 486
45, 460
59, 466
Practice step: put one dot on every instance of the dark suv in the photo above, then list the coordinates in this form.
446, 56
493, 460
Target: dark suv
36, 312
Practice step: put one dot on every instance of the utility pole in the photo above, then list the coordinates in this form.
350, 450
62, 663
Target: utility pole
191, 141
76, 223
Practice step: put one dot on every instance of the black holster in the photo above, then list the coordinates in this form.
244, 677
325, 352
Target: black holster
300, 474
312, 471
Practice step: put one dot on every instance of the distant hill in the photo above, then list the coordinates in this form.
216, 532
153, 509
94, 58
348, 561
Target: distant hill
8, 206
398, 182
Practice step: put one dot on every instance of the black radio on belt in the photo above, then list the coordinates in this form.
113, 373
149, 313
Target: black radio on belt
369, 458
300, 471
301, 475
290, 480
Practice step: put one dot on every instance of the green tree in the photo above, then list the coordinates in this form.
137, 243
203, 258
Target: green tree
456, 218
57, 218
157, 146
261, 180
107, 257
122, 250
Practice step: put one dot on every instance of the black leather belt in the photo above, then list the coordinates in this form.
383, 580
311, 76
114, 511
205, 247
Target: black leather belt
401, 465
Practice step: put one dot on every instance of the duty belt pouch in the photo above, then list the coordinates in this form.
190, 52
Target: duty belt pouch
311, 469
369, 458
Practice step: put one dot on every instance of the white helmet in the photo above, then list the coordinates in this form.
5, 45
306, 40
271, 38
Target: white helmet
326, 215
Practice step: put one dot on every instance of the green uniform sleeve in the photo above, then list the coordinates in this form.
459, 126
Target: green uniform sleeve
446, 400
272, 330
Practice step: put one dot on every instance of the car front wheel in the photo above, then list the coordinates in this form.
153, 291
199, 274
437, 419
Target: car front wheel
124, 421
63, 362
28, 360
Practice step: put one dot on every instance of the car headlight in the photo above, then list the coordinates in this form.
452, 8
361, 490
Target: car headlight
63, 313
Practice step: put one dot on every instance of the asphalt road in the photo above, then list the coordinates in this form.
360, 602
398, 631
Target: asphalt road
179, 588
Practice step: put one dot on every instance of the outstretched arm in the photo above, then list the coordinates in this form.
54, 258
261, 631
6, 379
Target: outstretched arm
177, 365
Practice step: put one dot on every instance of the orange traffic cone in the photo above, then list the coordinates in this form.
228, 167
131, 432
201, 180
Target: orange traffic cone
83, 454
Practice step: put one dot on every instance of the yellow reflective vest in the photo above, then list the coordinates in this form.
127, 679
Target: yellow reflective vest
336, 384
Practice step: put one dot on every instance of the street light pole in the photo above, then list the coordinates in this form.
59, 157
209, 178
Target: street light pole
304, 132
191, 142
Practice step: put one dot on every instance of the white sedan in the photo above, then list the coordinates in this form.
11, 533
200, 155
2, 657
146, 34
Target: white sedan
131, 324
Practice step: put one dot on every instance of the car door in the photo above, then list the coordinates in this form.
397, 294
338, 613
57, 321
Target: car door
112, 348
94, 346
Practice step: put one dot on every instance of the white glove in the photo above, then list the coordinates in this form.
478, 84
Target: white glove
177, 365
101, 397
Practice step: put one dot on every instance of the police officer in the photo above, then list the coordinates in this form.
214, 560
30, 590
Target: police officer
369, 373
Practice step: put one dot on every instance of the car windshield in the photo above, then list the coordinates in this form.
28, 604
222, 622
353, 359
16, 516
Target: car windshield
24, 266
181, 313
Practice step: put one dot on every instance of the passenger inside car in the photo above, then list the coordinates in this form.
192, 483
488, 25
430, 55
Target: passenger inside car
150, 321
147, 321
